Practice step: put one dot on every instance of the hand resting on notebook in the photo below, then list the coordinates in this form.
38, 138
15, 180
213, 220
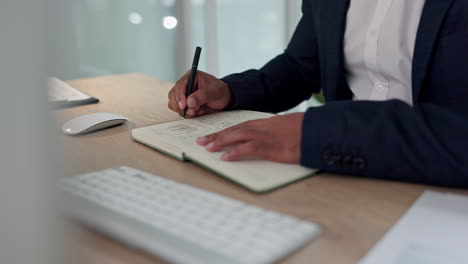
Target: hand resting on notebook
276, 139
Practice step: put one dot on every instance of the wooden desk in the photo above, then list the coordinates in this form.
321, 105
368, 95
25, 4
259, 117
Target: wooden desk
354, 212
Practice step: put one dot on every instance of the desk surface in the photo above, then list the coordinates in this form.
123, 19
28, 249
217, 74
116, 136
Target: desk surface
354, 212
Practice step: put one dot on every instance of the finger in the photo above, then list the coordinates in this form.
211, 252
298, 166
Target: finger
197, 99
180, 90
204, 110
229, 138
172, 104
170, 94
190, 114
201, 112
249, 150
193, 113
205, 140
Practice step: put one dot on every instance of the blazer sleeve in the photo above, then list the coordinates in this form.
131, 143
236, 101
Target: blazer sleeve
389, 140
285, 81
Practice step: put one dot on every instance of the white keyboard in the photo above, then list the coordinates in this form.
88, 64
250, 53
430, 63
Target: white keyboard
181, 223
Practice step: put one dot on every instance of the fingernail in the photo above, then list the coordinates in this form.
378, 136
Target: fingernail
181, 106
226, 156
211, 145
191, 103
202, 139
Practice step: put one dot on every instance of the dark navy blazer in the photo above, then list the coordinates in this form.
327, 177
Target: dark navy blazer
426, 143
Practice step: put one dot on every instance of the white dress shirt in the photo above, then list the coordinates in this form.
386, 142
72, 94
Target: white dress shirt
379, 46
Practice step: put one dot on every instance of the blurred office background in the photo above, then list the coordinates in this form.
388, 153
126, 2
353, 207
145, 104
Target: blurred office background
158, 37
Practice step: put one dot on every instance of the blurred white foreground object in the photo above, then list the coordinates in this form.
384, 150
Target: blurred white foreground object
63, 95
433, 231
30, 232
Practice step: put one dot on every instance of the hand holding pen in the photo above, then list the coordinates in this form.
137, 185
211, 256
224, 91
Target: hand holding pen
206, 94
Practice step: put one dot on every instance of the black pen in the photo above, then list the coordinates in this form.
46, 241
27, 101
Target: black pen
193, 75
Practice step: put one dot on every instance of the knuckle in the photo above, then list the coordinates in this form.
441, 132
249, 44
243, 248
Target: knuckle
211, 137
250, 148
259, 146
251, 123
272, 153
172, 107
180, 93
249, 133
219, 139
243, 132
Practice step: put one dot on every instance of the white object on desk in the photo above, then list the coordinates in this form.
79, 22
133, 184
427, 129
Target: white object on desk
181, 223
63, 95
92, 122
433, 231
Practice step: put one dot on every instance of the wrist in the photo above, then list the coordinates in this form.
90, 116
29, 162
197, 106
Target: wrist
229, 96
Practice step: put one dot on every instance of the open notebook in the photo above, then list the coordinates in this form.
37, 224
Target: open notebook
178, 139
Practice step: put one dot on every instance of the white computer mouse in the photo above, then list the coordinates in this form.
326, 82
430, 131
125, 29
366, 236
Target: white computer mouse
92, 122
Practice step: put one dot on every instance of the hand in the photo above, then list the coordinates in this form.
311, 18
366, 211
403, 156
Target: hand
210, 95
277, 139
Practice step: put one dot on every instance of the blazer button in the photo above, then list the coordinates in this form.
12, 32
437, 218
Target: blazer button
359, 163
336, 161
326, 155
348, 162
333, 159
328, 158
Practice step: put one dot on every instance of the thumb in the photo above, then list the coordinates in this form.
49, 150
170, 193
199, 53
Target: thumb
197, 99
